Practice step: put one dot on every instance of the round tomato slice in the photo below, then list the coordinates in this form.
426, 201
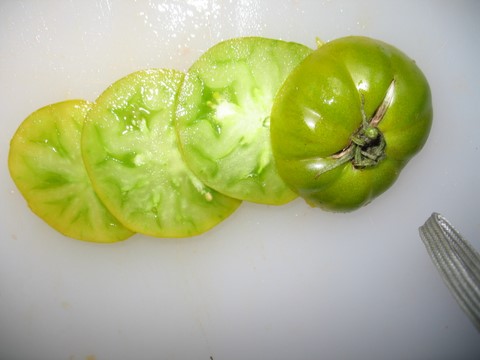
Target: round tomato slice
131, 153
223, 116
45, 163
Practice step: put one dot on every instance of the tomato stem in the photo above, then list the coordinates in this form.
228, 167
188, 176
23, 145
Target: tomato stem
367, 145
319, 42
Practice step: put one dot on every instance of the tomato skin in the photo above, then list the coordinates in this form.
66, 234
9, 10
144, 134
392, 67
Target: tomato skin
321, 107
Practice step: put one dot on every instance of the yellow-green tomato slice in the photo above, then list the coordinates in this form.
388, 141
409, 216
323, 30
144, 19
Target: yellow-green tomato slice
223, 116
45, 163
131, 153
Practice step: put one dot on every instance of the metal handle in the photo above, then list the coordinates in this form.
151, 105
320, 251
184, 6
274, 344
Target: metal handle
457, 261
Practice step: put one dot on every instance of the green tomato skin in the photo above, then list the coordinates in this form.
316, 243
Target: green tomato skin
319, 108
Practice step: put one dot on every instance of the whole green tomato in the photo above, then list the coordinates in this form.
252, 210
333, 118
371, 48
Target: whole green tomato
347, 120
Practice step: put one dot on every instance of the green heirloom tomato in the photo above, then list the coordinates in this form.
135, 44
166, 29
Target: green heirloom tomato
347, 120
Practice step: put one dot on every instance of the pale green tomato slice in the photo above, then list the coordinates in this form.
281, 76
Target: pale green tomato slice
131, 153
223, 116
45, 163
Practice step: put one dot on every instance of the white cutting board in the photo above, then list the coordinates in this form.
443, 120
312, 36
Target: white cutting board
286, 282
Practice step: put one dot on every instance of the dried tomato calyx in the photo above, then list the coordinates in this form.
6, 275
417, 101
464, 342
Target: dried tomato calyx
367, 145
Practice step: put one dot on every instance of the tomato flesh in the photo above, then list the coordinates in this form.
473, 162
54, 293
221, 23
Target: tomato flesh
46, 165
132, 156
223, 116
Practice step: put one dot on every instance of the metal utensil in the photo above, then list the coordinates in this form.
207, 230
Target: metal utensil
457, 261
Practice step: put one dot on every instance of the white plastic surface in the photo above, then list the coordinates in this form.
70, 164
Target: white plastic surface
287, 282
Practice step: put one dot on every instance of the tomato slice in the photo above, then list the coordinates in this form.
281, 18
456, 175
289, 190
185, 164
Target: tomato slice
131, 153
46, 165
223, 116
